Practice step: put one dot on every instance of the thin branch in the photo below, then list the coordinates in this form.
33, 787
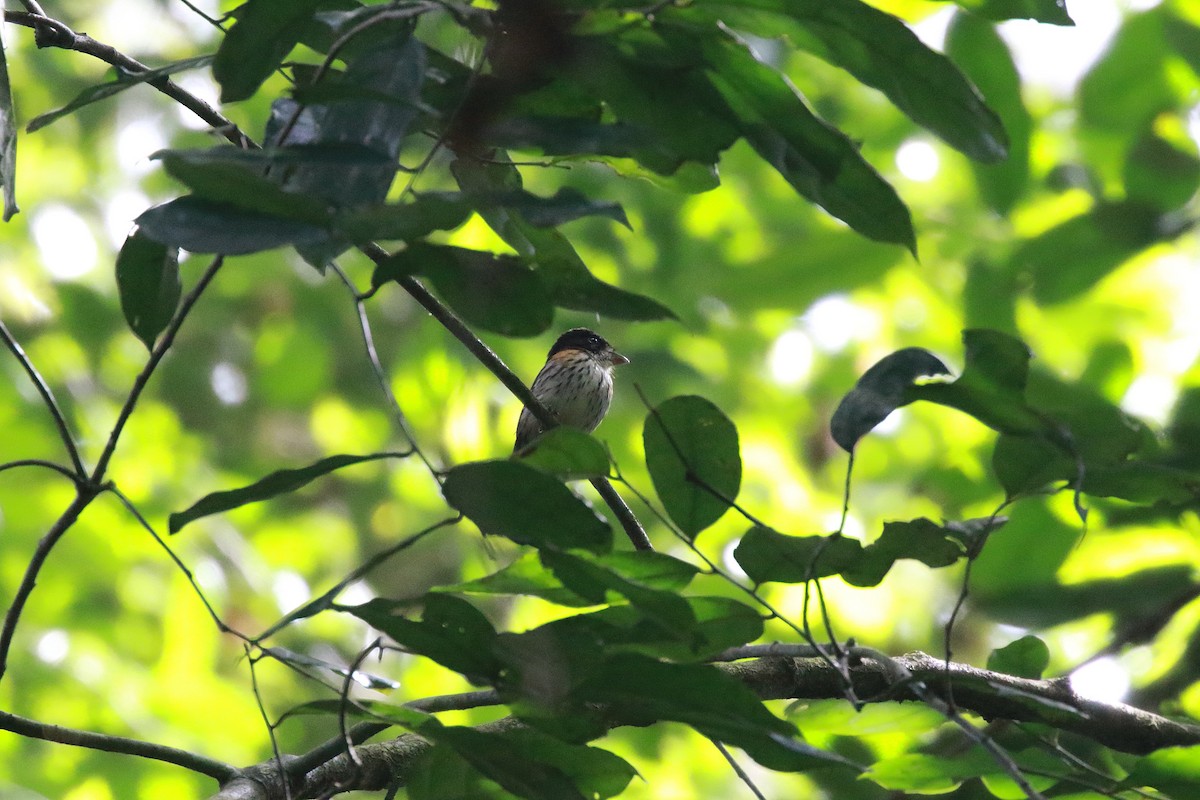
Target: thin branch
737, 768
160, 350
83, 495
262, 710
37, 462
43, 388
33, 729
53, 33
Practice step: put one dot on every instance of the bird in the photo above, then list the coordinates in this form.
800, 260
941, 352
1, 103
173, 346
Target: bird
575, 385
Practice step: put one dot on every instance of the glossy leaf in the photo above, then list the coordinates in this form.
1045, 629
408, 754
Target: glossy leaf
206, 226
693, 457
264, 33
148, 282
569, 454
451, 631
280, 482
1026, 657
499, 293
507, 498
881, 390
818, 161
125, 80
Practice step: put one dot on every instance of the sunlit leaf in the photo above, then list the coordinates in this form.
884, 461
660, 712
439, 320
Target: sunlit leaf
693, 457
281, 482
507, 498
568, 453
768, 555
149, 286
1026, 657
1175, 771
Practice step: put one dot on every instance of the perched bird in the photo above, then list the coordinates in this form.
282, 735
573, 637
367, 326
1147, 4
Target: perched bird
575, 385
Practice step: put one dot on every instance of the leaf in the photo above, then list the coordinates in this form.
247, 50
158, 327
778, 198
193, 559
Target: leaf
768, 555
1161, 172
370, 709
364, 679
598, 583
205, 226
1174, 771
280, 482
882, 52
148, 282
264, 33
125, 80
498, 293
984, 57
452, 632
8, 140
818, 161
921, 540
1053, 12
693, 458
406, 222
929, 774
566, 205
507, 498
1026, 657
569, 454
881, 390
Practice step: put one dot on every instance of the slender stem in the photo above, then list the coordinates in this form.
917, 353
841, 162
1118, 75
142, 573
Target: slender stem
37, 462
160, 350
83, 496
217, 770
43, 389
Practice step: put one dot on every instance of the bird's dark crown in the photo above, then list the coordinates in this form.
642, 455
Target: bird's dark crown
580, 339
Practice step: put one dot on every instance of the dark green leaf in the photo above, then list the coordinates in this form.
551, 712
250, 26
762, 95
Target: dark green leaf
1162, 173
1053, 12
148, 282
277, 483
358, 676
205, 226
568, 453
125, 80
359, 708
567, 278
565, 136
1174, 771
406, 222
265, 32
693, 458
978, 50
919, 539
498, 293
768, 555
566, 205
818, 161
506, 498
881, 51
596, 582
881, 390
1026, 657
1025, 464
8, 141
1129, 85
452, 632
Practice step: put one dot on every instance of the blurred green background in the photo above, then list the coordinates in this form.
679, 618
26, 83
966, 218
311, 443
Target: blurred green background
1078, 244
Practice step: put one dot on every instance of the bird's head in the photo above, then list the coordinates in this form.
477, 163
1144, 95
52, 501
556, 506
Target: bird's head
589, 342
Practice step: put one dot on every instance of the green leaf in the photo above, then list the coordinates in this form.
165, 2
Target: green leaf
928, 774
148, 282
567, 136
1162, 173
1174, 771
265, 32
882, 52
881, 390
596, 582
921, 540
125, 80
280, 482
495, 292
566, 205
365, 679
452, 632
506, 498
569, 454
819, 161
768, 555
1053, 12
360, 708
693, 458
8, 140
405, 221
984, 57
1026, 657
205, 226
1130, 84
567, 278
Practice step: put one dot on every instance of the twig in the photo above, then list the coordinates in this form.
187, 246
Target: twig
43, 389
33, 729
37, 462
160, 350
262, 710
737, 768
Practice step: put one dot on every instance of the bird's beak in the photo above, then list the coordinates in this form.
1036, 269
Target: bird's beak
617, 359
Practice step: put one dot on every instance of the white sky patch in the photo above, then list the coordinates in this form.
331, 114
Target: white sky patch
1104, 680
834, 321
65, 242
290, 590
52, 646
139, 137
791, 358
228, 384
1056, 57
119, 213
199, 83
917, 160
1150, 397
730, 563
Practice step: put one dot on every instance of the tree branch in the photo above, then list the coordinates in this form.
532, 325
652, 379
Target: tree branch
775, 676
